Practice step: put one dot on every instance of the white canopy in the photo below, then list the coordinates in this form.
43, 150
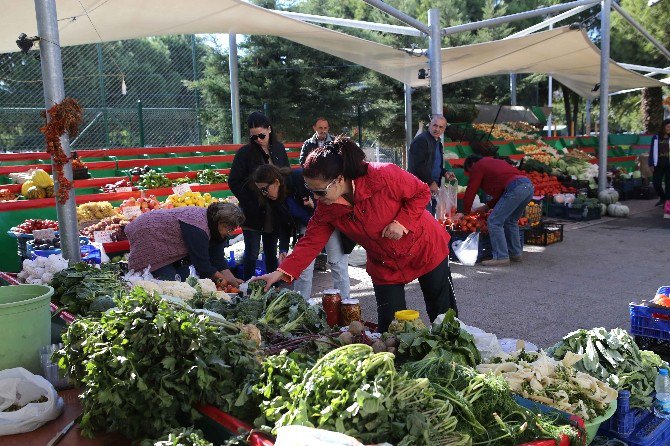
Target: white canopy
566, 54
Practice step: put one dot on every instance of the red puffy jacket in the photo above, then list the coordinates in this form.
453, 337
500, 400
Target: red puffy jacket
384, 194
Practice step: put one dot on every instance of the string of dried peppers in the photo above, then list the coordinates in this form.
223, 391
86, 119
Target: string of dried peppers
66, 116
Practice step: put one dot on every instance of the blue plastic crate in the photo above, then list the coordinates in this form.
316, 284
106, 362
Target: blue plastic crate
635, 426
652, 321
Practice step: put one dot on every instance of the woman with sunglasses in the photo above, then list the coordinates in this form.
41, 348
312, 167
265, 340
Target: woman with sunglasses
262, 149
292, 206
382, 208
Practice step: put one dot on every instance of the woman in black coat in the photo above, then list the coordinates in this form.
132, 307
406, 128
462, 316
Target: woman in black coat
261, 149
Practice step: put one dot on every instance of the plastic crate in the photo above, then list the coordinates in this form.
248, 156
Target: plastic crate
636, 427
554, 210
650, 320
534, 212
582, 214
626, 185
545, 234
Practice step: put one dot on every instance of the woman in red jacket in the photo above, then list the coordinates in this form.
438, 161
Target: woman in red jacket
382, 208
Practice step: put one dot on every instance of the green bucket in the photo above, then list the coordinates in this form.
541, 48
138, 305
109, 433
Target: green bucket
25, 325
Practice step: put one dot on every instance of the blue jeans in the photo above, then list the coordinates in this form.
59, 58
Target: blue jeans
168, 272
339, 266
252, 247
503, 222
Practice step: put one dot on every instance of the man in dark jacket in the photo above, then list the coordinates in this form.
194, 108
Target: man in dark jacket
426, 157
320, 137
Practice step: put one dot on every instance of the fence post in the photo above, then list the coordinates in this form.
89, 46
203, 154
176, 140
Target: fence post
360, 126
194, 60
103, 93
140, 121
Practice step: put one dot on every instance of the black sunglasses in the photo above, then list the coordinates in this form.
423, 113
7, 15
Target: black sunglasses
321, 192
259, 136
265, 190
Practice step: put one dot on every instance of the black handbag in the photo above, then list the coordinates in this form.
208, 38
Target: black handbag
347, 244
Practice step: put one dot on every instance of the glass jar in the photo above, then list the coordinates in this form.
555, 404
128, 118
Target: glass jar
332, 301
351, 311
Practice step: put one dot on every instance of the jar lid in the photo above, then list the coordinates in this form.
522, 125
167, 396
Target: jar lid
350, 302
406, 315
331, 291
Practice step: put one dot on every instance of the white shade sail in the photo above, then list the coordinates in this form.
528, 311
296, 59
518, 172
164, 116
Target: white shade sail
566, 54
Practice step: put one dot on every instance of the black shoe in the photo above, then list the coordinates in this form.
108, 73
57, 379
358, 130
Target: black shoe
661, 202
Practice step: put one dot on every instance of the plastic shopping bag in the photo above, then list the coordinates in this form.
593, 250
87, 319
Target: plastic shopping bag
18, 387
295, 435
447, 200
666, 209
467, 250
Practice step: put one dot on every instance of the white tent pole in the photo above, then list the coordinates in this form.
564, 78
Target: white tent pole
54, 93
641, 30
234, 88
411, 21
549, 21
651, 70
550, 95
588, 117
514, 17
359, 24
408, 122
512, 89
606, 6
435, 56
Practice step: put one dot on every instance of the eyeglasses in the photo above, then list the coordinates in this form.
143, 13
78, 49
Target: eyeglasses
321, 192
259, 136
265, 190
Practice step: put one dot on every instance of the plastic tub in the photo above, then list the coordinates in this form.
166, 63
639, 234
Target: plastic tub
25, 325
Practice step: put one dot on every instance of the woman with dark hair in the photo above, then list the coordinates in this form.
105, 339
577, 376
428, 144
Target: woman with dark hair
659, 162
382, 208
168, 241
262, 149
284, 189
511, 191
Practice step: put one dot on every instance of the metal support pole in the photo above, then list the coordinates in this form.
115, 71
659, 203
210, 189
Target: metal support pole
641, 30
234, 88
140, 121
550, 21
54, 93
408, 123
194, 63
411, 21
103, 93
587, 131
606, 6
435, 59
550, 97
512, 89
358, 24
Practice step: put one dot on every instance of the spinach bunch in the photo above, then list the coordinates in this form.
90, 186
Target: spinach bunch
444, 339
86, 290
179, 437
614, 358
144, 364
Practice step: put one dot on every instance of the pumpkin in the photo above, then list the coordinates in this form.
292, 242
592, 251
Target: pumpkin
25, 186
608, 196
36, 192
49, 191
618, 210
603, 209
41, 178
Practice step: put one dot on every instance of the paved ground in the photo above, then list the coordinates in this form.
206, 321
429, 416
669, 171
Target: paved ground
586, 281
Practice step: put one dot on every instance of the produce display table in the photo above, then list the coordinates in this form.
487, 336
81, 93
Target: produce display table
43, 435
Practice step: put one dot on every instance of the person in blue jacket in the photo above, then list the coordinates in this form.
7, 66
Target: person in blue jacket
291, 203
659, 161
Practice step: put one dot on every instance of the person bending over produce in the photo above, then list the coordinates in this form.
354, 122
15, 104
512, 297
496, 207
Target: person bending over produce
382, 208
167, 241
511, 192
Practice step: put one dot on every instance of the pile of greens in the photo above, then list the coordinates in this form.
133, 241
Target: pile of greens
445, 339
145, 363
614, 358
86, 290
359, 393
484, 405
210, 176
179, 437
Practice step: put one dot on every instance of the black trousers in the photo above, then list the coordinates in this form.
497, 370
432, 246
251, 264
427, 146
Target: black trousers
661, 175
438, 294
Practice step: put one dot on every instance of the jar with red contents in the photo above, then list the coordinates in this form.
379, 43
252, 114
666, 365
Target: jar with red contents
332, 302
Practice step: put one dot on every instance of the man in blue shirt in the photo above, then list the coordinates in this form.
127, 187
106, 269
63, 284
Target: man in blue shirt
426, 157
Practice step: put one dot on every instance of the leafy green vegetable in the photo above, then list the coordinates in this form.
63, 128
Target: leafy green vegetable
257, 289
86, 290
144, 364
179, 437
210, 176
614, 358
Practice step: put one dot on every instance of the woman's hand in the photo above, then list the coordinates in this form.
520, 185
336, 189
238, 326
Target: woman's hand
230, 278
307, 201
394, 231
270, 279
282, 256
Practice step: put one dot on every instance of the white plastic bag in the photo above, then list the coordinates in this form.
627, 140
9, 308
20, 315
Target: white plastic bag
447, 200
467, 250
309, 436
19, 386
487, 343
